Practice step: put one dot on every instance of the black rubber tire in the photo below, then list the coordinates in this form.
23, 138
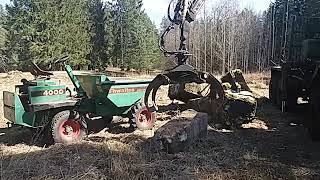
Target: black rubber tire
143, 118
60, 120
271, 92
293, 92
314, 124
273, 89
291, 103
278, 94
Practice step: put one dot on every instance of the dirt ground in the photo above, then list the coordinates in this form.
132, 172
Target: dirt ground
274, 146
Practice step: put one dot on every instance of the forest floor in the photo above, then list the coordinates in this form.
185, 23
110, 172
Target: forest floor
274, 146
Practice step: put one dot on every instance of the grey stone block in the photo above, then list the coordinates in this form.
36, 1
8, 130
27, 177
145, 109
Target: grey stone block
182, 131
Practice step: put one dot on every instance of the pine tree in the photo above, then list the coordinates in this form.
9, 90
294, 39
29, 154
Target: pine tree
110, 31
44, 30
17, 37
67, 31
2, 30
98, 56
148, 51
3, 59
91, 33
136, 36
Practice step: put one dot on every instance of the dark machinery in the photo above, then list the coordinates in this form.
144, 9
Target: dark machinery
295, 80
185, 12
184, 77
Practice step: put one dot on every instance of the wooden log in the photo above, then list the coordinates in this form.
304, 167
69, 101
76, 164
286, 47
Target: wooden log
181, 132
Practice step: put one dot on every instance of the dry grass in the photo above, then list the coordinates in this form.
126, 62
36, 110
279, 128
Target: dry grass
268, 149
259, 83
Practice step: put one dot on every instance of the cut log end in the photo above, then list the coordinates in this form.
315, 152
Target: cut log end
180, 133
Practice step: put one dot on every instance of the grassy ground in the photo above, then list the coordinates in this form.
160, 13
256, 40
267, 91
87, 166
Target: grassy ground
271, 147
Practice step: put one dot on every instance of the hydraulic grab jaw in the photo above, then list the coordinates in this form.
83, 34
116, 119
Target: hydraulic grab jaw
183, 74
179, 75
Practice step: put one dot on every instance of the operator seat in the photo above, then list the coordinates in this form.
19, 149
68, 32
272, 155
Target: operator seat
36, 71
24, 96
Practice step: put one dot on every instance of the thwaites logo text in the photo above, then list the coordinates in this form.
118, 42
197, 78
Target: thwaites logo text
126, 90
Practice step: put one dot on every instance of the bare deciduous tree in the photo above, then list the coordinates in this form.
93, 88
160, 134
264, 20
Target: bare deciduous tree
227, 37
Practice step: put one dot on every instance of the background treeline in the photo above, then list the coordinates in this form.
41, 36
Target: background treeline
227, 36
94, 34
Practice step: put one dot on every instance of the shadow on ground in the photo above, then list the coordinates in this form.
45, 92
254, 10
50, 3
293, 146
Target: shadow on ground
23, 135
15, 135
281, 152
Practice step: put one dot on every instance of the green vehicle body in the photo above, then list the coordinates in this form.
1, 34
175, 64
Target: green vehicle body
97, 95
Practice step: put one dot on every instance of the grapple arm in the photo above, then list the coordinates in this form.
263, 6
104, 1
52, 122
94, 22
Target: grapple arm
185, 12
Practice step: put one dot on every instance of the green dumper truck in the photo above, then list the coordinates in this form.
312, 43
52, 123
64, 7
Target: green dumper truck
42, 103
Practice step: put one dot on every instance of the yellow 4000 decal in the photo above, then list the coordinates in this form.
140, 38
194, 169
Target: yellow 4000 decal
54, 92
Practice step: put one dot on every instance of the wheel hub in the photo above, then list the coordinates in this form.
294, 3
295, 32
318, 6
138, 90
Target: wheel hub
143, 118
68, 129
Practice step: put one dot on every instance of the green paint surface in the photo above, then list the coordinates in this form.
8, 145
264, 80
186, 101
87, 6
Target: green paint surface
126, 99
22, 117
44, 99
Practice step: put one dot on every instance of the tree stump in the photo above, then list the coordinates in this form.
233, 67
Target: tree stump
180, 133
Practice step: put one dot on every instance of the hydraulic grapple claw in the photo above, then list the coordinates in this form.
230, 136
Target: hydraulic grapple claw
153, 87
180, 76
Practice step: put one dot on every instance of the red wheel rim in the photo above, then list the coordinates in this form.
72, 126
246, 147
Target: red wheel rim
69, 130
145, 118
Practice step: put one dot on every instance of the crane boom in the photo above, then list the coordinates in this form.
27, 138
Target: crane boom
185, 12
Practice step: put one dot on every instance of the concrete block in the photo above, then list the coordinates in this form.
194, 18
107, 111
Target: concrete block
182, 131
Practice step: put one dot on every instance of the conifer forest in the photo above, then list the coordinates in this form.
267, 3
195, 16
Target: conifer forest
96, 34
